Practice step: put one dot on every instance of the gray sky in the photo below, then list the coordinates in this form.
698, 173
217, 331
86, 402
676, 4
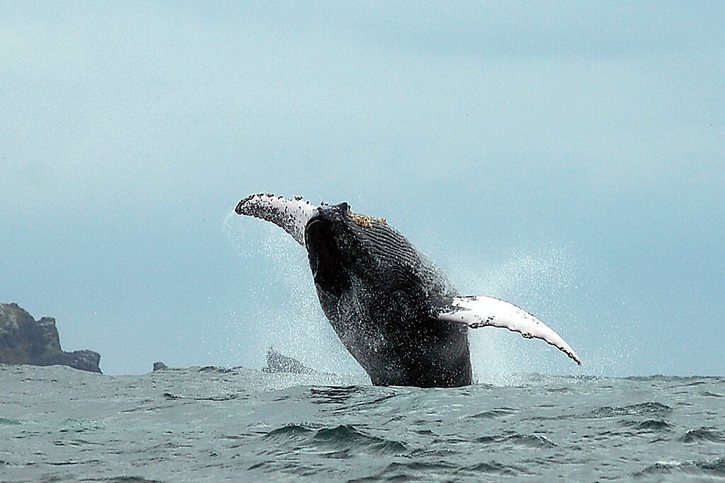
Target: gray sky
566, 156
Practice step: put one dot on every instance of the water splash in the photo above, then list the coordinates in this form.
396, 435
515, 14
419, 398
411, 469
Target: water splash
538, 281
289, 318
293, 322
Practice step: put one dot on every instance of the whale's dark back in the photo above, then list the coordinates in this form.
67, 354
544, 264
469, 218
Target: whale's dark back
375, 288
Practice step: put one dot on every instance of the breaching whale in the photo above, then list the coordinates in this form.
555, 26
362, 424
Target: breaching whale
394, 311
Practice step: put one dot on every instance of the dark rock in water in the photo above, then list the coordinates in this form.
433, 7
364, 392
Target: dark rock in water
277, 362
159, 366
24, 340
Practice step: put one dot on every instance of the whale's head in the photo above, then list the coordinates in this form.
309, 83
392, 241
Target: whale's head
344, 246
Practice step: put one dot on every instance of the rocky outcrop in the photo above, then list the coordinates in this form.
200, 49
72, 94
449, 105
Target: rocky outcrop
24, 340
277, 362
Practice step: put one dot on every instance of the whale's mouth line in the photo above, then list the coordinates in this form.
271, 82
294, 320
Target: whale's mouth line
319, 242
311, 245
328, 261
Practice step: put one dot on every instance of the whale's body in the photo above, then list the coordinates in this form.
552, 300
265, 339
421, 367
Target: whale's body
391, 307
375, 289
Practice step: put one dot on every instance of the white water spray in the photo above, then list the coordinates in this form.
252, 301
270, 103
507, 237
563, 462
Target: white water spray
537, 281
291, 320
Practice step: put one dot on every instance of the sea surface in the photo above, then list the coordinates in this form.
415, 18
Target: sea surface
214, 424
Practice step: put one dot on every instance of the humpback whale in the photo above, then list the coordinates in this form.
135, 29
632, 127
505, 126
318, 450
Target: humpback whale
393, 310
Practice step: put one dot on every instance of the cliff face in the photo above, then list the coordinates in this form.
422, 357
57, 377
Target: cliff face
24, 340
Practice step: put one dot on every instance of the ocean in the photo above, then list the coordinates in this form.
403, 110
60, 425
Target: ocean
215, 424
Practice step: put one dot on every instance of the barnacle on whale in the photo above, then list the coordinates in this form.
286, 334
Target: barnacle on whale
363, 220
366, 221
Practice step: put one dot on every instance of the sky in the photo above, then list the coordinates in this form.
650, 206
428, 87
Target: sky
566, 156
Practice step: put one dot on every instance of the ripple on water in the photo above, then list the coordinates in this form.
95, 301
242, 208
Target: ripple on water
643, 409
227, 397
527, 440
348, 435
288, 432
649, 425
703, 434
335, 395
492, 468
131, 479
335, 441
412, 470
495, 413
10, 422
701, 468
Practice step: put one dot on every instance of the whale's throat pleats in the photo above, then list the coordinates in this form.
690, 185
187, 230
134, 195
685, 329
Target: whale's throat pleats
391, 261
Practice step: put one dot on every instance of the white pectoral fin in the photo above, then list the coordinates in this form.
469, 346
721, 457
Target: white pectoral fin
485, 311
291, 215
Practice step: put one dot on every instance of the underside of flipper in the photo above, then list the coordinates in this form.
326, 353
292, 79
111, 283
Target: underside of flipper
482, 311
291, 215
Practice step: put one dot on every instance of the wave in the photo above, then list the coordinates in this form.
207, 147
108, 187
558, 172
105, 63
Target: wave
643, 409
649, 425
703, 434
495, 413
335, 441
700, 468
527, 440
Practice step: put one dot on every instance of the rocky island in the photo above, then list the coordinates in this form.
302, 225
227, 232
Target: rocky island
24, 340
